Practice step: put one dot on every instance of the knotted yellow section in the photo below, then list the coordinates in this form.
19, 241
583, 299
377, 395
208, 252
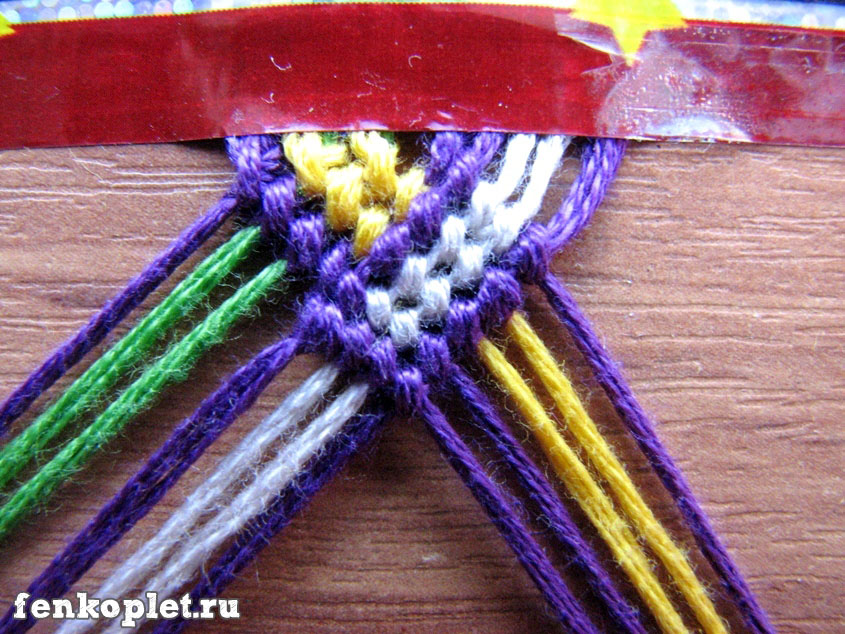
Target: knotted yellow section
590, 496
358, 176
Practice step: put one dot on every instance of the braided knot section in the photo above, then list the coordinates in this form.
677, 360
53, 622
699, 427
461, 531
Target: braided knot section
333, 320
358, 176
330, 324
434, 288
529, 258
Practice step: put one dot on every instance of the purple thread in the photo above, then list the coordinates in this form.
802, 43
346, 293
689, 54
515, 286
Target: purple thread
325, 325
330, 334
252, 539
499, 293
422, 223
518, 537
255, 160
333, 323
600, 160
642, 429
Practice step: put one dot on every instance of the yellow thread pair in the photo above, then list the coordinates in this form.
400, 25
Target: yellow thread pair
596, 504
358, 177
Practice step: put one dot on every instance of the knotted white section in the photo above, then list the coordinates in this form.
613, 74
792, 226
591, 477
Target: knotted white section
469, 240
219, 489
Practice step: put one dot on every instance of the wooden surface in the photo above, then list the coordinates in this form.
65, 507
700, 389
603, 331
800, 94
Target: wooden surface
715, 274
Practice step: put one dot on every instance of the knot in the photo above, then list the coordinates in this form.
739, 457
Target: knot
305, 244
529, 258
352, 296
388, 253
335, 263
321, 324
409, 390
277, 203
312, 158
463, 325
357, 340
358, 177
433, 358
460, 166
378, 156
381, 362
357, 349
256, 159
498, 296
442, 150
425, 217
464, 172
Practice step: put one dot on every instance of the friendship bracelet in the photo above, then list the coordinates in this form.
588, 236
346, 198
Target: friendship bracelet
411, 274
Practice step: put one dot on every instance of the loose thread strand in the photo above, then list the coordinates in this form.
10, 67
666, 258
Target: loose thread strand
449, 173
623, 615
101, 324
187, 442
611, 470
235, 466
170, 367
643, 431
589, 495
253, 499
534, 560
90, 387
360, 433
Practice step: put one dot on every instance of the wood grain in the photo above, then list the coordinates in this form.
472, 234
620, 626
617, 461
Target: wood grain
715, 274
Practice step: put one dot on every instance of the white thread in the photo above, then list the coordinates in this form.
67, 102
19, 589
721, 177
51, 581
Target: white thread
468, 242
211, 494
272, 478
487, 196
509, 220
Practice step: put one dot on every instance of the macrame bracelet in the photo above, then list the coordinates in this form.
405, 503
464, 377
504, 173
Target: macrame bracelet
402, 309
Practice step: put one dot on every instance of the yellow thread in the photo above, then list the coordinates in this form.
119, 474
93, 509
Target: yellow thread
589, 495
312, 159
371, 224
410, 184
344, 196
611, 469
379, 157
360, 182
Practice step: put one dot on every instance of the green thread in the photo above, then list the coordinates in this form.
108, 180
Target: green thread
171, 367
328, 138
106, 371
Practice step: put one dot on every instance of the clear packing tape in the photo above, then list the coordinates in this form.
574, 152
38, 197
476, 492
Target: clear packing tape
189, 69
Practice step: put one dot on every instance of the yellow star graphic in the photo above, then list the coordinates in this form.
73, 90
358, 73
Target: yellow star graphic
5, 29
629, 20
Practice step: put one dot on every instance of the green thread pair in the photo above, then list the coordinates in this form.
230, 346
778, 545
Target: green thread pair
172, 367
